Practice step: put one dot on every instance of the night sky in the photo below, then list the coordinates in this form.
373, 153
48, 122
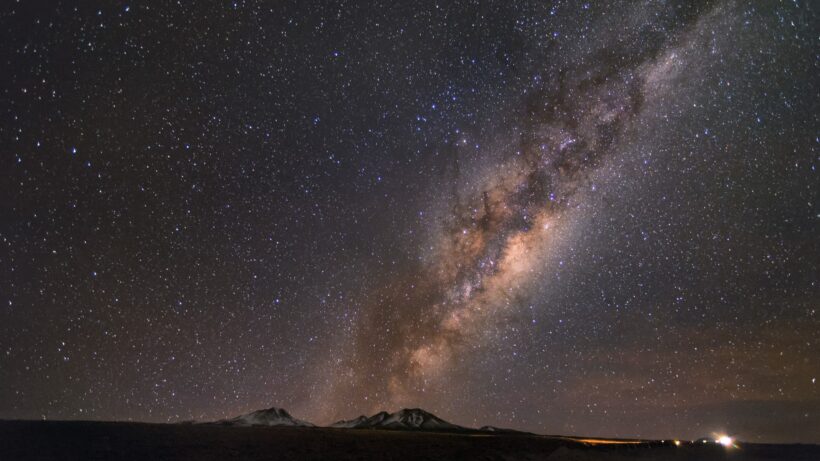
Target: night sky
593, 218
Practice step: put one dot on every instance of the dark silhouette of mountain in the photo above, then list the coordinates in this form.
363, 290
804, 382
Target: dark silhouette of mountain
502, 430
269, 417
406, 419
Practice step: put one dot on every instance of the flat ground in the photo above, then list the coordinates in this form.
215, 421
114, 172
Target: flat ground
77, 440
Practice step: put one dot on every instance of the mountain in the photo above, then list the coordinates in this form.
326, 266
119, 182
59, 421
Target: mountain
501, 430
271, 417
361, 421
406, 419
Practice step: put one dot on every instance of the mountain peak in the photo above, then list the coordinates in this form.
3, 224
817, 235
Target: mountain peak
274, 411
406, 419
272, 416
414, 411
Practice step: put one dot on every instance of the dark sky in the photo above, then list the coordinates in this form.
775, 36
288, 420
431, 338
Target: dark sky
571, 218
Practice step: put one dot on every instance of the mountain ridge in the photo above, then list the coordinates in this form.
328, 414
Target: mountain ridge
406, 419
272, 416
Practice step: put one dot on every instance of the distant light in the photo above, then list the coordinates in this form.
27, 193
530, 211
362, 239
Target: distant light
725, 440
677, 443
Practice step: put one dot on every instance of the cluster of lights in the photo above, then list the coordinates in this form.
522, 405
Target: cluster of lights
726, 441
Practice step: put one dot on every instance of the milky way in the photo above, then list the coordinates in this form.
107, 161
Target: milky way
496, 238
591, 218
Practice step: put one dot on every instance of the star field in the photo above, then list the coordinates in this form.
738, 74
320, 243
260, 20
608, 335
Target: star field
587, 218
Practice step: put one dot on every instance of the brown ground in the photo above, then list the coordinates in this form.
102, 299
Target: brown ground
47, 440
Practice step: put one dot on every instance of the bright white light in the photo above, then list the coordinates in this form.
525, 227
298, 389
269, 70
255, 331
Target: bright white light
725, 440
